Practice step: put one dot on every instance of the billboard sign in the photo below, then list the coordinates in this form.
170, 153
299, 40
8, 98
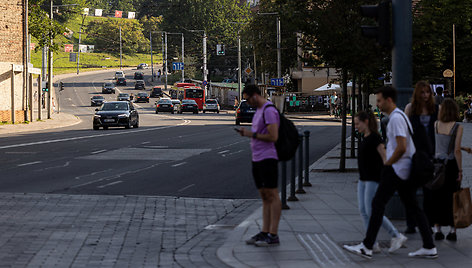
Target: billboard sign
118, 14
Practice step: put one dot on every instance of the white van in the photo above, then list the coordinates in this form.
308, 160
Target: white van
119, 74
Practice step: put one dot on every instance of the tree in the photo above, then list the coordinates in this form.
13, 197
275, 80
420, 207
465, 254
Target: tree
106, 36
40, 26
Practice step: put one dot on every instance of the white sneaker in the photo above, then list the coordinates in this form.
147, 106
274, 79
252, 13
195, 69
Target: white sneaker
360, 250
424, 253
397, 242
376, 248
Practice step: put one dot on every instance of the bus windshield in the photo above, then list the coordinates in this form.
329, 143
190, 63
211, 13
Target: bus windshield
193, 93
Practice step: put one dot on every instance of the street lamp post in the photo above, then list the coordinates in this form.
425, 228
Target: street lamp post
80, 38
205, 72
279, 41
239, 66
183, 52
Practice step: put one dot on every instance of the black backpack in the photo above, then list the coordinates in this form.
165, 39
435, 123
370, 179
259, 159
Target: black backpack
422, 166
287, 143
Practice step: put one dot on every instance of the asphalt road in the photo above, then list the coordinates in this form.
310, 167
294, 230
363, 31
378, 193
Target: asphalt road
168, 155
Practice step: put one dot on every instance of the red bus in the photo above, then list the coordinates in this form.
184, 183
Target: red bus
195, 93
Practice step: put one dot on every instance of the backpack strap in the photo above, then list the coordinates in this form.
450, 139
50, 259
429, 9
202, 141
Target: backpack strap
452, 141
263, 111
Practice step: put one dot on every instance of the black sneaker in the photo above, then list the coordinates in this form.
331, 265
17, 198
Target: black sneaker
438, 236
257, 237
451, 237
410, 230
268, 241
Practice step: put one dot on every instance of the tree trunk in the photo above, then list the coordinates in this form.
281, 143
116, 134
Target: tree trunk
353, 113
342, 162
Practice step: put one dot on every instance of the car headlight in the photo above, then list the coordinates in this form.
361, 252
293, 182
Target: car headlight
123, 115
97, 116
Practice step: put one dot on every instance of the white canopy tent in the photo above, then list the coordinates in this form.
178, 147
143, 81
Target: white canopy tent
327, 89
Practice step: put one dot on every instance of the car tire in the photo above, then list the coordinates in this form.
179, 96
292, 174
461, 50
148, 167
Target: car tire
96, 128
105, 128
237, 122
195, 112
217, 112
157, 112
137, 124
172, 112
203, 111
129, 125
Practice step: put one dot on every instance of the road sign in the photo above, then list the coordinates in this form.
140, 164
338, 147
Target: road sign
277, 82
177, 66
248, 70
73, 57
205, 83
448, 73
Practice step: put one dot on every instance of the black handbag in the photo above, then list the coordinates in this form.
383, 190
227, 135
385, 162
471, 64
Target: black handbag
439, 174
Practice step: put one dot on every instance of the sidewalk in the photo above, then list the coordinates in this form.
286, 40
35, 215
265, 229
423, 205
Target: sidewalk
314, 229
57, 120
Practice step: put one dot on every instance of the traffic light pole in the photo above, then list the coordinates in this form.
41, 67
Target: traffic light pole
183, 58
165, 61
50, 67
402, 50
239, 67
152, 65
205, 78
279, 53
121, 51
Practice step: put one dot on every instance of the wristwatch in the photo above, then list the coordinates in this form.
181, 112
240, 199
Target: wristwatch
254, 135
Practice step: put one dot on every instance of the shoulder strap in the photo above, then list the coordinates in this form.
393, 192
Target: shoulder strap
452, 141
436, 127
263, 111
407, 125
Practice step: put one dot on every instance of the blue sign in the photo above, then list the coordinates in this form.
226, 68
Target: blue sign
205, 83
177, 66
277, 82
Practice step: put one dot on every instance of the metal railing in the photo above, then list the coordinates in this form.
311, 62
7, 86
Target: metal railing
303, 177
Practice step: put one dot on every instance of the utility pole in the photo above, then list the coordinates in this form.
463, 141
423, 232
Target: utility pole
205, 72
239, 66
165, 41
80, 38
454, 56
44, 63
255, 64
183, 58
50, 67
121, 51
152, 65
279, 53
402, 50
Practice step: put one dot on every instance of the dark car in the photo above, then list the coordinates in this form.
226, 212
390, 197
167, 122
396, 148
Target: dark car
97, 100
108, 88
142, 97
116, 114
138, 75
164, 105
188, 106
156, 92
139, 84
121, 81
123, 97
244, 113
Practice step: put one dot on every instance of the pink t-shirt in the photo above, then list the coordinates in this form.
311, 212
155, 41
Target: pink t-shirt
262, 150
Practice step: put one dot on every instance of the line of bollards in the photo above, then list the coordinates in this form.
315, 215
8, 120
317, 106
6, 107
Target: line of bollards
303, 165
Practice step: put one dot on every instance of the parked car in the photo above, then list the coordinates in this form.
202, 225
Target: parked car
211, 105
116, 114
121, 81
97, 100
139, 84
156, 92
244, 113
142, 66
123, 97
188, 106
164, 105
119, 74
138, 75
176, 104
108, 88
142, 97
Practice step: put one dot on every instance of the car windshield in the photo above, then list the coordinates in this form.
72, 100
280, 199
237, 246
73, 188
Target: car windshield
121, 78
165, 101
189, 102
123, 95
98, 98
108, 85
114, 106
176, 101
140, 82
211, 102
142, 94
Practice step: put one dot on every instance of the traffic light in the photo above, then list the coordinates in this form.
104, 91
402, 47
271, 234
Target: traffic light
382, 31
220, 50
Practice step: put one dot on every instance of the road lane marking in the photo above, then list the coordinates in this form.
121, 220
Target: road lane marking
186, 122
97, 152
109, 184
93, 173
179, 164
28, 164
225, 151
186, 187
146, 142
21, 152
62, 166
225, 155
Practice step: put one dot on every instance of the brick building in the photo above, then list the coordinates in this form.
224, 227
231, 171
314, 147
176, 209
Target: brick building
12, 60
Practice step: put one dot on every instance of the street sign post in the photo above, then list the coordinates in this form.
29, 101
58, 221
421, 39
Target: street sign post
177, 66
277, 82
205, 83
248, 71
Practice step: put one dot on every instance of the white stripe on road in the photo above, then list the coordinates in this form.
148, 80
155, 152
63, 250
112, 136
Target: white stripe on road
311, 250
179, 164
146, 142
225, 155
320, 249
48, 168
341, 253
186, 122
28, 164
186, 187
97, 152
330, 251
225, 151
109, 184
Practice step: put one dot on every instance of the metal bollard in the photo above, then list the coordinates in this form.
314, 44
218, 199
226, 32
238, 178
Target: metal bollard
307, 159
284, 186
300, 166
292, 196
